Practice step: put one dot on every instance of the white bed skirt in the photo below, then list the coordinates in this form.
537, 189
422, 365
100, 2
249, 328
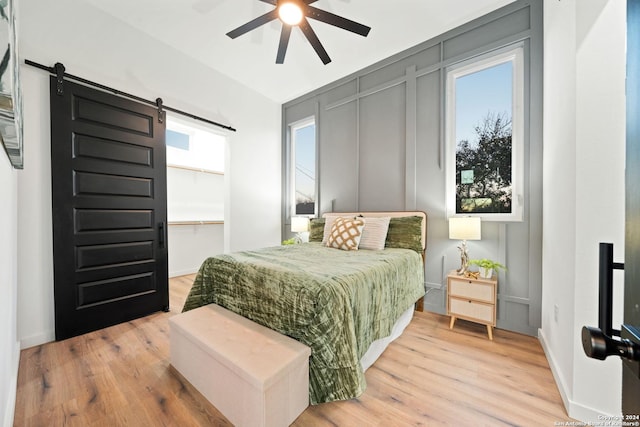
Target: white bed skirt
378, 346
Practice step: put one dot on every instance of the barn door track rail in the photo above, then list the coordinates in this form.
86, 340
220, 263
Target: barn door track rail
58, 70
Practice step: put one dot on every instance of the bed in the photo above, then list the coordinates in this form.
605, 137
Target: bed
338, 302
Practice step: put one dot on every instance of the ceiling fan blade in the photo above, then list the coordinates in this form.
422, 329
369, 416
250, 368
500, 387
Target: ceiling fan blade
335, 20
253, 24
315, 42
284, 42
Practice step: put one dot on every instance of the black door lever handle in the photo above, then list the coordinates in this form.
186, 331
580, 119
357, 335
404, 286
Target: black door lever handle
161, 234
598, 345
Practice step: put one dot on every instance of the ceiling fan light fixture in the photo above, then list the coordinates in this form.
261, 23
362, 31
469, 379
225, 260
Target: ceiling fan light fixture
295, 13
290, 13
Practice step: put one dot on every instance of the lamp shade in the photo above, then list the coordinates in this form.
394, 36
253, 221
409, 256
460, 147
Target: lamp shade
465, 228
299, 224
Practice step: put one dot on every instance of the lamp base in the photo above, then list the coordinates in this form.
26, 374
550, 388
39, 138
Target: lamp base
302, 237
464, 258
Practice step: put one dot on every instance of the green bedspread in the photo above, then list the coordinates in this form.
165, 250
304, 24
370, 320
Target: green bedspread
336, 302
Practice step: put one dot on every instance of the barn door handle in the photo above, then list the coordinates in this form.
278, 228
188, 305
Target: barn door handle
598, 345
161, 234
605, 289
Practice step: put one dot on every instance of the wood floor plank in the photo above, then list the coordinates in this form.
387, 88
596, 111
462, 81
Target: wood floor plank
430, 376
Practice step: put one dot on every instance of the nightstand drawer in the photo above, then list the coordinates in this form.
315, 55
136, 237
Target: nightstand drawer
471, 310
474, 290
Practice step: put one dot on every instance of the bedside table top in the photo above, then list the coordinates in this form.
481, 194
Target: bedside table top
453, 275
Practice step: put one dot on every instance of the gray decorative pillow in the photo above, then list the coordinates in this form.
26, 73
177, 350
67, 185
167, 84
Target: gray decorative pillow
405, 232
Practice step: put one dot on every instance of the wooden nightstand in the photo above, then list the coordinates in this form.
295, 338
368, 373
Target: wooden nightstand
472, 299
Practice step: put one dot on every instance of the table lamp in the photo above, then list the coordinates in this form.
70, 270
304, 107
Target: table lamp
464, 228
300, 225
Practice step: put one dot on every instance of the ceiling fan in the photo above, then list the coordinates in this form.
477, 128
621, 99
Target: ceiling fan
295, 13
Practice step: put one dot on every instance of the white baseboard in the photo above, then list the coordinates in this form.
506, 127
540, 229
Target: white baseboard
183, 272
574, 410
554, 370
37, 339
10, 404
433, 285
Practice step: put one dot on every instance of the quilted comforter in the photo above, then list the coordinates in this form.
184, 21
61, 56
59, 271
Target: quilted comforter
336, 302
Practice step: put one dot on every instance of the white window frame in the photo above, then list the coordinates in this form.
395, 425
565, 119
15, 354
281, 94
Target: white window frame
293, 127
515, 55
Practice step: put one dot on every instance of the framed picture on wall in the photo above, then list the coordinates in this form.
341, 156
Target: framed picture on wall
10, 94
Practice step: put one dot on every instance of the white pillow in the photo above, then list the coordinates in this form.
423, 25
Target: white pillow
345, 234
374, 233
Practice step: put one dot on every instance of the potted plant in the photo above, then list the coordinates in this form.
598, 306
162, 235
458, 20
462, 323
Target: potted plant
487, 266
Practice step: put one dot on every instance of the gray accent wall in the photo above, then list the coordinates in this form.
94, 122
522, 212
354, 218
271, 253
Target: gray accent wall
380, 142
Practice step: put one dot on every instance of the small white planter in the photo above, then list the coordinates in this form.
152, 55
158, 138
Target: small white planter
486, 273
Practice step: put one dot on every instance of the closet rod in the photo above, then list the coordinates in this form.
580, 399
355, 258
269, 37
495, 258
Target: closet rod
53, 70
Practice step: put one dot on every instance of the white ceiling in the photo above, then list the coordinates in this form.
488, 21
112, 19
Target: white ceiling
198, 28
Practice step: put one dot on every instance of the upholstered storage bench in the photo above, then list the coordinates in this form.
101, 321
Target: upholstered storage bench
253, 375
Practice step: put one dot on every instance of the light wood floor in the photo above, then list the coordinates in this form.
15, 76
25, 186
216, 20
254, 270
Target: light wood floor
430, 376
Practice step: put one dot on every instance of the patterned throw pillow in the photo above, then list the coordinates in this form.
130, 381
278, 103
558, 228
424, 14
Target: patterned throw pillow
328, 223
345, 234
374, 233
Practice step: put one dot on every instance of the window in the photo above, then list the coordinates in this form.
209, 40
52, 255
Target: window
303, 167
195, 172
194, 147
485, 122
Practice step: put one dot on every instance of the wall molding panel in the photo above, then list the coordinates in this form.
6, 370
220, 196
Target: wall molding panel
381, 136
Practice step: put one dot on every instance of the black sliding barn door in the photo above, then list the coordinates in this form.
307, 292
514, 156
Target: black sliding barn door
108, 173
